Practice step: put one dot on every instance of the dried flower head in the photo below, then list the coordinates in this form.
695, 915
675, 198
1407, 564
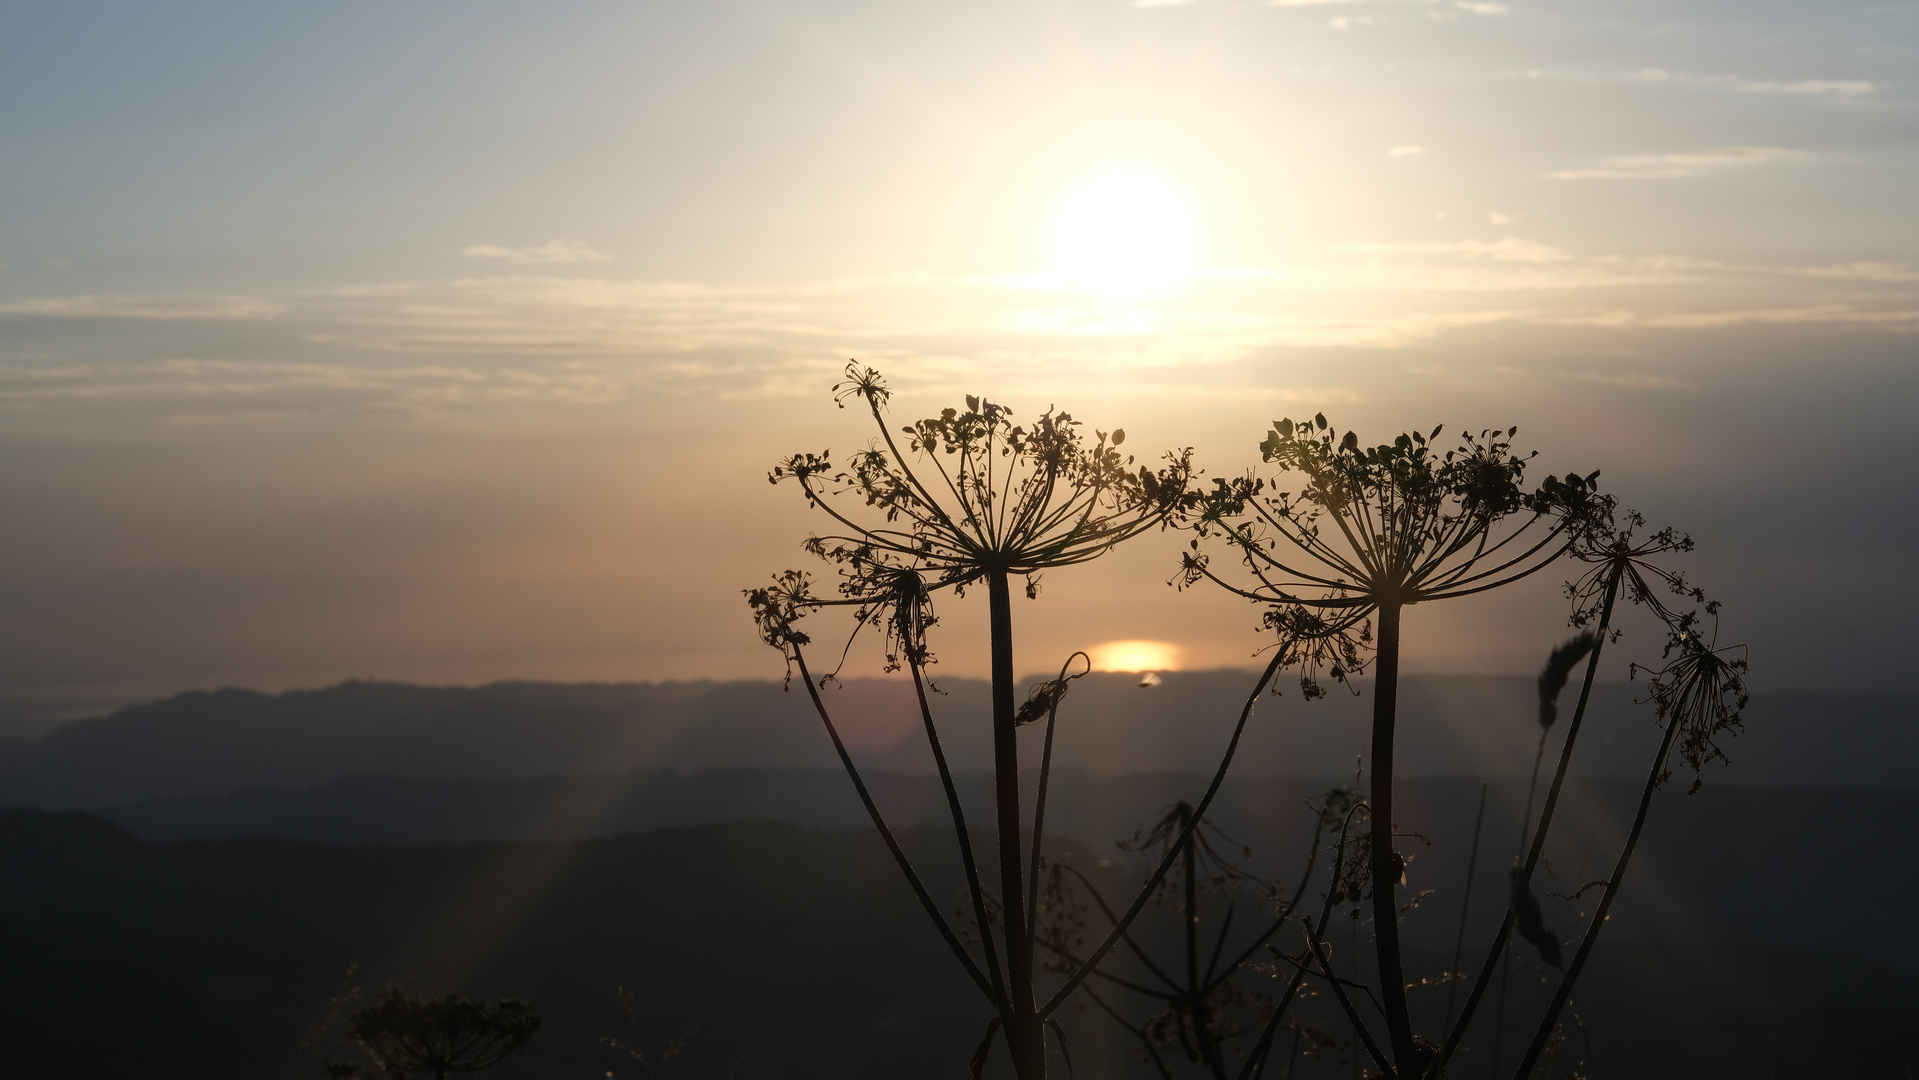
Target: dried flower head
1619, 549
1399, 523
1700, 692
963, 495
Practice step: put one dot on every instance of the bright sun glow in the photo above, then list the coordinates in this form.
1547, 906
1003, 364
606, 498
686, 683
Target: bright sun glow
1135, 656
1124, 231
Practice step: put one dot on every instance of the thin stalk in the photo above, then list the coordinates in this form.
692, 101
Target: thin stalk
1545, 823
1166, 864
1256, 1061
1039, 822
1325, 915
1346, 1003
1499, 1013
1598, 922
1144, 957
1465, 905
962, 833
1385, 867
1202, 1022
1292, 905
1219, 946
893, 845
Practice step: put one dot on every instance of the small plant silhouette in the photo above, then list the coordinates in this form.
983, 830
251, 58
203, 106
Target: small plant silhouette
652, 1066
1202, 1005
436, 1036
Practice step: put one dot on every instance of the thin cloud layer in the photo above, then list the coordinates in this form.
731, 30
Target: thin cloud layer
165, 308
551, 252
1678, 166
440, 345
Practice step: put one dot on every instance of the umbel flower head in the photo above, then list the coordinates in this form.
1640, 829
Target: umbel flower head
1395, 524
959, 497
1699, 694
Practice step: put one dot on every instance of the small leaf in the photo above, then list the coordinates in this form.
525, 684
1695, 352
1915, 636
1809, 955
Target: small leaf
1119, 436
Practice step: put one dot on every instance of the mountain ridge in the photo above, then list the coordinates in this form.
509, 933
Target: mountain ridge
216, 742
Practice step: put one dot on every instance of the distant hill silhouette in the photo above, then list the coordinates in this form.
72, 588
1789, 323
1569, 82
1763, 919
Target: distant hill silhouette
788, 953
213, 743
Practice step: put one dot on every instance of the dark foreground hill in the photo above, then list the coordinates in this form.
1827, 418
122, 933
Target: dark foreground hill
214, 743
785, 952
1730, 862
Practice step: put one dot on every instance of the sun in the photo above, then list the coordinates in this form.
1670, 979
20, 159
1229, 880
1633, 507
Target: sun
1135, 656
1124, 230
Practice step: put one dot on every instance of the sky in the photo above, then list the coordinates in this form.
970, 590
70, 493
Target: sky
451, 342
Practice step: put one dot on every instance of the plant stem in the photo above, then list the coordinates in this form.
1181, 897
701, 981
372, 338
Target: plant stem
1315, 942
962, 833
1543, 1035
892, 843
1202, 1016
1465, 905
1145, 893
1025, 1029
1545, 822
1386, 868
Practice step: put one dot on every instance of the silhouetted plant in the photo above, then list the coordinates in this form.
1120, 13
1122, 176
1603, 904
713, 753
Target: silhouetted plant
1201, 1003
436, 1036
1697, 693
1369, 531
972, 499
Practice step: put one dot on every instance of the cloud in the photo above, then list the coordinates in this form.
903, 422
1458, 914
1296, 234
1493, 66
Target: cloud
1406, 151
437, 347
1858, 271
1677, 166
1481, 8
1507, 250
1840, 89
553, 251
1628, 380
166, 308
1828, 87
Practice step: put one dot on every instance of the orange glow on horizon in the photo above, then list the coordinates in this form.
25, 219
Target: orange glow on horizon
1135, 656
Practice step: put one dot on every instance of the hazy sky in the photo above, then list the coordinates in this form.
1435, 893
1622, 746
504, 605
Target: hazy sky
451, 341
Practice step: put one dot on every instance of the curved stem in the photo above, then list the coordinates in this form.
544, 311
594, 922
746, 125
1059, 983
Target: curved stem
1465, 905
893, 845
962, 833
1039, 812
1545, 824
1599, 916
1166, 864
1346, 1003
1256, 1061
